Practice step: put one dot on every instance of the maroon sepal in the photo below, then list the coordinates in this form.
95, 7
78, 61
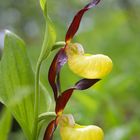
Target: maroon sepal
50, 130
85, 83
65, 96
62, 100
77, 19
59, 60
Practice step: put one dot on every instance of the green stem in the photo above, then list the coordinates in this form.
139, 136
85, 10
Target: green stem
36, 110
37, 75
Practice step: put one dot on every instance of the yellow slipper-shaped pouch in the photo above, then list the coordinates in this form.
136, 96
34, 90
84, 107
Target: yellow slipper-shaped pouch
72, 131
86, 65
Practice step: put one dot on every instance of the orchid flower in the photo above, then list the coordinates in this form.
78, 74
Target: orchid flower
91, 67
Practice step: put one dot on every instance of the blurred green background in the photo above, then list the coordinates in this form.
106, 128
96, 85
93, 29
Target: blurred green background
112, 28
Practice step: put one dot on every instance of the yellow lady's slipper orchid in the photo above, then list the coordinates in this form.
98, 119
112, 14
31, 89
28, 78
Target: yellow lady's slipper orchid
91, 67
86, 65
71, 131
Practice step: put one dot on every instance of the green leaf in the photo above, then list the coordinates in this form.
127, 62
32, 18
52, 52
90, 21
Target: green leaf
5, 124
45, 100
17, 81
42, 4
50, 34
17, 84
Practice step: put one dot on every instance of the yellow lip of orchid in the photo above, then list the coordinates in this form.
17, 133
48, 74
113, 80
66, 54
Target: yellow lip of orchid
71, 131
86, 65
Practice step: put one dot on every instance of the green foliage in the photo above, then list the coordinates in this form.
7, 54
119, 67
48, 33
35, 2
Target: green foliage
17, 84
50, 34
17, 81
42, 4
5, 124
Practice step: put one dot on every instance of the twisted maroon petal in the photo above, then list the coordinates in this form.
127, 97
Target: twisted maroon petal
50, 130
59, 60
62, 100
85, 83
77, 19
65, 96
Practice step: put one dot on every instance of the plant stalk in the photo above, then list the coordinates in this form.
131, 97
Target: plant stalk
37, 91
36, 106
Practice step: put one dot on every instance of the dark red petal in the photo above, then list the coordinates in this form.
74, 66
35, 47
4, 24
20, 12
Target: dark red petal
58, 82
92, 3
85, 83
77, 19
50, 130
59, 60
65, 96
62, 100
